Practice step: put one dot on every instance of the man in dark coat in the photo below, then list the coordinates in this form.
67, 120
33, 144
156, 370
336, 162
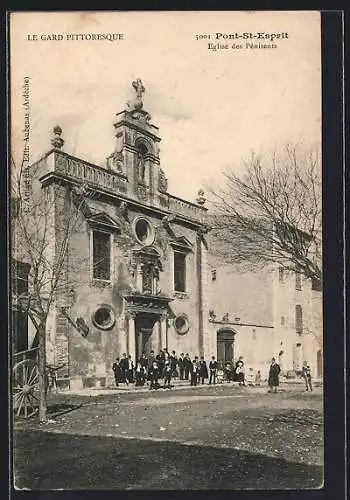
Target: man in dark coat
274, 374
144, 361
130, 370
173, 364
150, 360
160, 359
117, 372
187, 365
124, 365
180, 364
213, 367
203, 370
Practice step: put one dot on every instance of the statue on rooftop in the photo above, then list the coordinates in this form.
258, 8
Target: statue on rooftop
137, 103
134, 107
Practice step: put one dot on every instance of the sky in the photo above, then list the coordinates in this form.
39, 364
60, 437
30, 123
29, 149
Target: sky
212, 107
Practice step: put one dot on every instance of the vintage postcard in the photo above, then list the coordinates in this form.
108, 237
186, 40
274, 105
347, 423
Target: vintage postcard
166, 260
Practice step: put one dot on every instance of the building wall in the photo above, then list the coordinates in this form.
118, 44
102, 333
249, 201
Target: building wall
244, 295
296, 347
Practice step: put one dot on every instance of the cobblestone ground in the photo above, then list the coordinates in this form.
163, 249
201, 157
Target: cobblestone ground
160, 434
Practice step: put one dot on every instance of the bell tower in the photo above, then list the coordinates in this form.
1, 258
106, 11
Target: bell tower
136, 154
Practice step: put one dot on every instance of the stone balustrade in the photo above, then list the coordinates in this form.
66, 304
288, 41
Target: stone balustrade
77, 169
92, 174
182, 207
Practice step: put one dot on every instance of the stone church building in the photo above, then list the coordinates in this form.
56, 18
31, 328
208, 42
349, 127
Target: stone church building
138, 274
134, 279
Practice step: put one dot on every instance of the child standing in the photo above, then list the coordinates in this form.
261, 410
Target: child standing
306, 373
194, 372
167, 373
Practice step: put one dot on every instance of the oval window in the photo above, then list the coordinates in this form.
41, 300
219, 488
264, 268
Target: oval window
144, 231
103, 318
181, 324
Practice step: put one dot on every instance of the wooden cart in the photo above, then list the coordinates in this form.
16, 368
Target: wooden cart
25, 382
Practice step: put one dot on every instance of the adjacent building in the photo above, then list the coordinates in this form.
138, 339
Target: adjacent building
264, 314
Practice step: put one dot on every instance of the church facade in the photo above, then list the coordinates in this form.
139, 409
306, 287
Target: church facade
134, 278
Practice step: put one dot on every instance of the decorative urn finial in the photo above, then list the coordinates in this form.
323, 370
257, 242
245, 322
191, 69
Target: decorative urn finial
57, 141
201, 198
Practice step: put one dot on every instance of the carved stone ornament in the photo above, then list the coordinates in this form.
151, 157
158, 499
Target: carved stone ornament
140, 115
123, 208
212, 315
142, 193
201, 198
116, 162
162, 182
82, 327
226, 318
57, 141
119, 142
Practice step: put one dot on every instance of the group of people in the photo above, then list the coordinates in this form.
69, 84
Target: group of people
167, 366
164, 366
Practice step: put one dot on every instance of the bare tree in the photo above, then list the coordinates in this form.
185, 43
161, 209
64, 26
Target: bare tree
37, 242
272, 212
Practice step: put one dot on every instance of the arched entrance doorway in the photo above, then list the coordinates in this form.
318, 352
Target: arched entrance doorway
225, 344
145, 342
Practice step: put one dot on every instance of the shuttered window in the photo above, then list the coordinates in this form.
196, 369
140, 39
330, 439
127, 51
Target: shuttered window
299, 319
179, 271
101, 255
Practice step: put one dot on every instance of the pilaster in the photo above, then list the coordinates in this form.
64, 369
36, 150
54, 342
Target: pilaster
131, 336
163, 334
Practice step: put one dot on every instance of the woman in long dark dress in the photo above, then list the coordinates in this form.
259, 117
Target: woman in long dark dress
274, 374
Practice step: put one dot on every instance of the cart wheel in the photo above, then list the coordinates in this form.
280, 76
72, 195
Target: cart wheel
25, 384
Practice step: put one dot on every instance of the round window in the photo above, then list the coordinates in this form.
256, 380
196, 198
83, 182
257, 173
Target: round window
144, 231
181, 324
103, 318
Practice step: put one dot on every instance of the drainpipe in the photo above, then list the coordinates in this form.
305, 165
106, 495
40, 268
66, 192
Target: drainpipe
199, 292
